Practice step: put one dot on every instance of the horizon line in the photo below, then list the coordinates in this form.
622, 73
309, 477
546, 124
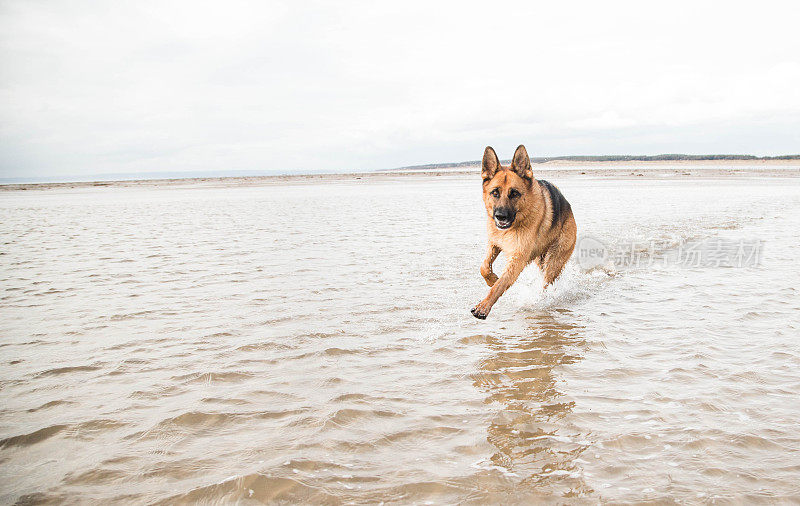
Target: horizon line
195, 174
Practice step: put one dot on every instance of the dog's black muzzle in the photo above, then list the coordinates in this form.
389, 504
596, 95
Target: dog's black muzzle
504, 217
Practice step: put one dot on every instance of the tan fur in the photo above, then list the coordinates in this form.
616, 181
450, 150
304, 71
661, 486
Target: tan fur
533, 236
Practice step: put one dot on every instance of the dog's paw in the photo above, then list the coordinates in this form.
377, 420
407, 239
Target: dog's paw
479, 312
491, 279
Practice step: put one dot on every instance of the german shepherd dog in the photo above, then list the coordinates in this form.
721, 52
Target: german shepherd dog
528, 220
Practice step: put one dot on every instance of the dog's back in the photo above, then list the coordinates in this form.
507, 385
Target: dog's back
559, 207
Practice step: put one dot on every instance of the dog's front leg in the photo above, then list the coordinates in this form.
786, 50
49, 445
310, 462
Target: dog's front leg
486, 266
512, 271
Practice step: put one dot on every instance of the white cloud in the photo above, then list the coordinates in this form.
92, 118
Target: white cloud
93, 87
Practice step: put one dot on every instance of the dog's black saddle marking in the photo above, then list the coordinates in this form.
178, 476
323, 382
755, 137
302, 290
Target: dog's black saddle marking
557, 201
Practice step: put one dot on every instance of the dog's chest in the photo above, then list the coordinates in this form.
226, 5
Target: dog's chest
519, 242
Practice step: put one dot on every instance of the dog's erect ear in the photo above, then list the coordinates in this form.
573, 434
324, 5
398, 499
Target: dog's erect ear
521, 164
490, 163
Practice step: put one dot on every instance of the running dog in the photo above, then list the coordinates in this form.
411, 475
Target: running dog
528, 219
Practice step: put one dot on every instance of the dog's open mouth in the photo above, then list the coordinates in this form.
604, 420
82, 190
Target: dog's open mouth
503, 224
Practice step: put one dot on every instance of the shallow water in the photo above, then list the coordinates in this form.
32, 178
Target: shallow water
313, 343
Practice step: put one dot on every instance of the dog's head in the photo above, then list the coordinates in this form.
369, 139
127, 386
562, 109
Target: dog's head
506, 189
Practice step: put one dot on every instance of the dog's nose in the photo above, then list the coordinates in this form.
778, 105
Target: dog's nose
502, 214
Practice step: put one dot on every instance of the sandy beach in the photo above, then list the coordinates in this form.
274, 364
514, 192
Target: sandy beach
711, 169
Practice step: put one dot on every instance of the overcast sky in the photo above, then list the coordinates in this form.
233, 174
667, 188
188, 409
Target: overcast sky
109, 87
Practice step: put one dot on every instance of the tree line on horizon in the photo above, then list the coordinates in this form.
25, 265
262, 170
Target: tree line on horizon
610, 158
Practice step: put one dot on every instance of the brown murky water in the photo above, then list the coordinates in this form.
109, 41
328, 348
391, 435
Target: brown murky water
313, 343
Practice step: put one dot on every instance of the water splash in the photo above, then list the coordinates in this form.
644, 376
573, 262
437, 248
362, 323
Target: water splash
572, 286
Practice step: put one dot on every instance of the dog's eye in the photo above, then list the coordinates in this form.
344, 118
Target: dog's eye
495, 193
514, 194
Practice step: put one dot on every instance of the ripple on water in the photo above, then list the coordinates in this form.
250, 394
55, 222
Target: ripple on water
213, 377
69, 370
255, 487
80, 431
212, 420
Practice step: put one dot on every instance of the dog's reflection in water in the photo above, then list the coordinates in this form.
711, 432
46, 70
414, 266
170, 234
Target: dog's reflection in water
531, 431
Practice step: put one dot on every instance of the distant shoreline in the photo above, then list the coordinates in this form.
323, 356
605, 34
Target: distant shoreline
554, 169
591, 160
615, 159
